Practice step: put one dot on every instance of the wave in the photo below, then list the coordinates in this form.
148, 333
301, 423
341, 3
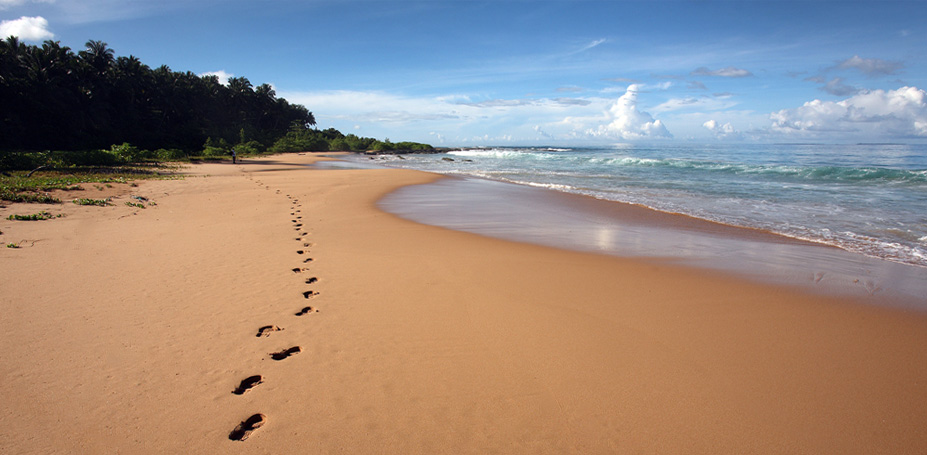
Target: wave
822, 174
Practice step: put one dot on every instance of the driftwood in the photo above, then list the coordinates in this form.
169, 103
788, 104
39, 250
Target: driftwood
36, 169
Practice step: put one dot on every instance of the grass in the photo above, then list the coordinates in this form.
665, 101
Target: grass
19, 187
12, 245
136, 204
43, 215
88, 201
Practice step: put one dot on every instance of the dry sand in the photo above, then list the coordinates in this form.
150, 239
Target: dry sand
125, 330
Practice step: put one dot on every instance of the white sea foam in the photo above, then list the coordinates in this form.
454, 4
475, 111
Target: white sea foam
839, 195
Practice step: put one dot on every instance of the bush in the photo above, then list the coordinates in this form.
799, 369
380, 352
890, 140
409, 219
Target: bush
216, 148
249, 148
339, 145
128, 153
169, 154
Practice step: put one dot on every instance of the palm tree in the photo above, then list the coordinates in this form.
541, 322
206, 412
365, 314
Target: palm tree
98, 56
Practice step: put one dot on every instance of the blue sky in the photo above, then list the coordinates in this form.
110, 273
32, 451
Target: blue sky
467, 72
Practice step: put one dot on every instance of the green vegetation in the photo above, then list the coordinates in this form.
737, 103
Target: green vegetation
18, 186
43, 215
62, 109
56, 99
12, 245
88, 201
298, 140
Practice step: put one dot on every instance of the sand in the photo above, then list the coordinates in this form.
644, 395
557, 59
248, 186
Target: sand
126, 330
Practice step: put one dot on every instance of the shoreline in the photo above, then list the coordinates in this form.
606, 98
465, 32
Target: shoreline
425, 340
543, 216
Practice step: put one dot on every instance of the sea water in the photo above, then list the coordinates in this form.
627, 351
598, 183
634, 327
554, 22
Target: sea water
864, 198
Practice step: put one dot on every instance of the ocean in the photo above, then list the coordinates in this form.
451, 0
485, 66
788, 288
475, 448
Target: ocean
866, 198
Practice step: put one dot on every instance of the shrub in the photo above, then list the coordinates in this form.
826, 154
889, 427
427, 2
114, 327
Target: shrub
249, 148
169, 154
43, 215
216, 148
88, 201
128, 153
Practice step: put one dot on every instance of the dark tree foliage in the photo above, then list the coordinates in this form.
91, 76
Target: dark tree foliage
54, 99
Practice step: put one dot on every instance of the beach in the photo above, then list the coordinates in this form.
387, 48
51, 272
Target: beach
126, 330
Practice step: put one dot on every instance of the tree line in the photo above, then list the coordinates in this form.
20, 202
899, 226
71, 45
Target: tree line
52, 98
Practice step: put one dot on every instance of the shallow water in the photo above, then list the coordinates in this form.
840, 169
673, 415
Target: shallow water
870, 199
533, 215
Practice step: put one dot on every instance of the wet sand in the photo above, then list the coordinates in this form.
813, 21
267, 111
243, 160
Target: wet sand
576, 222
128, 330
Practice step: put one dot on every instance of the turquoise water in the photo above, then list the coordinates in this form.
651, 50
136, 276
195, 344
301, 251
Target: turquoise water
867, 198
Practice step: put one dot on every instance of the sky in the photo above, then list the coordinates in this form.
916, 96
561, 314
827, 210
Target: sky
516, 72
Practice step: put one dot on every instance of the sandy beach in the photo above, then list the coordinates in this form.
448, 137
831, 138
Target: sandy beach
126, 330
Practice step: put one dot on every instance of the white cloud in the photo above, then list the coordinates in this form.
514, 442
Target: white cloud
696, 85
541, 132
26, 29
871, 66
589, 46
625, 121
704, 103
876, 113
725, 131
221, 74
836, 86
7, 4
723, 72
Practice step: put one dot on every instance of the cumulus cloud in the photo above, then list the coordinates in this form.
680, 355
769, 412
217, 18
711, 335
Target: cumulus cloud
877, 113
625, 121
221, 74
871, 66
26, 29
725, 131
723, 72
541, 132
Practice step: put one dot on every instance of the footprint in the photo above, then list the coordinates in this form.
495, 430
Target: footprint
299, 224
245, 428
285, 353
308, 260
312, 280
247, 384
297, 270
310, 294
266, 330
300, 251
307, 244
305, 310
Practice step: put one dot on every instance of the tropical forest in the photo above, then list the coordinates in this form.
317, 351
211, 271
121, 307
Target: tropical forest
91, 107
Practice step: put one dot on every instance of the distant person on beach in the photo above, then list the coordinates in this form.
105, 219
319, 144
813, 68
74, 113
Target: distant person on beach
233, 156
